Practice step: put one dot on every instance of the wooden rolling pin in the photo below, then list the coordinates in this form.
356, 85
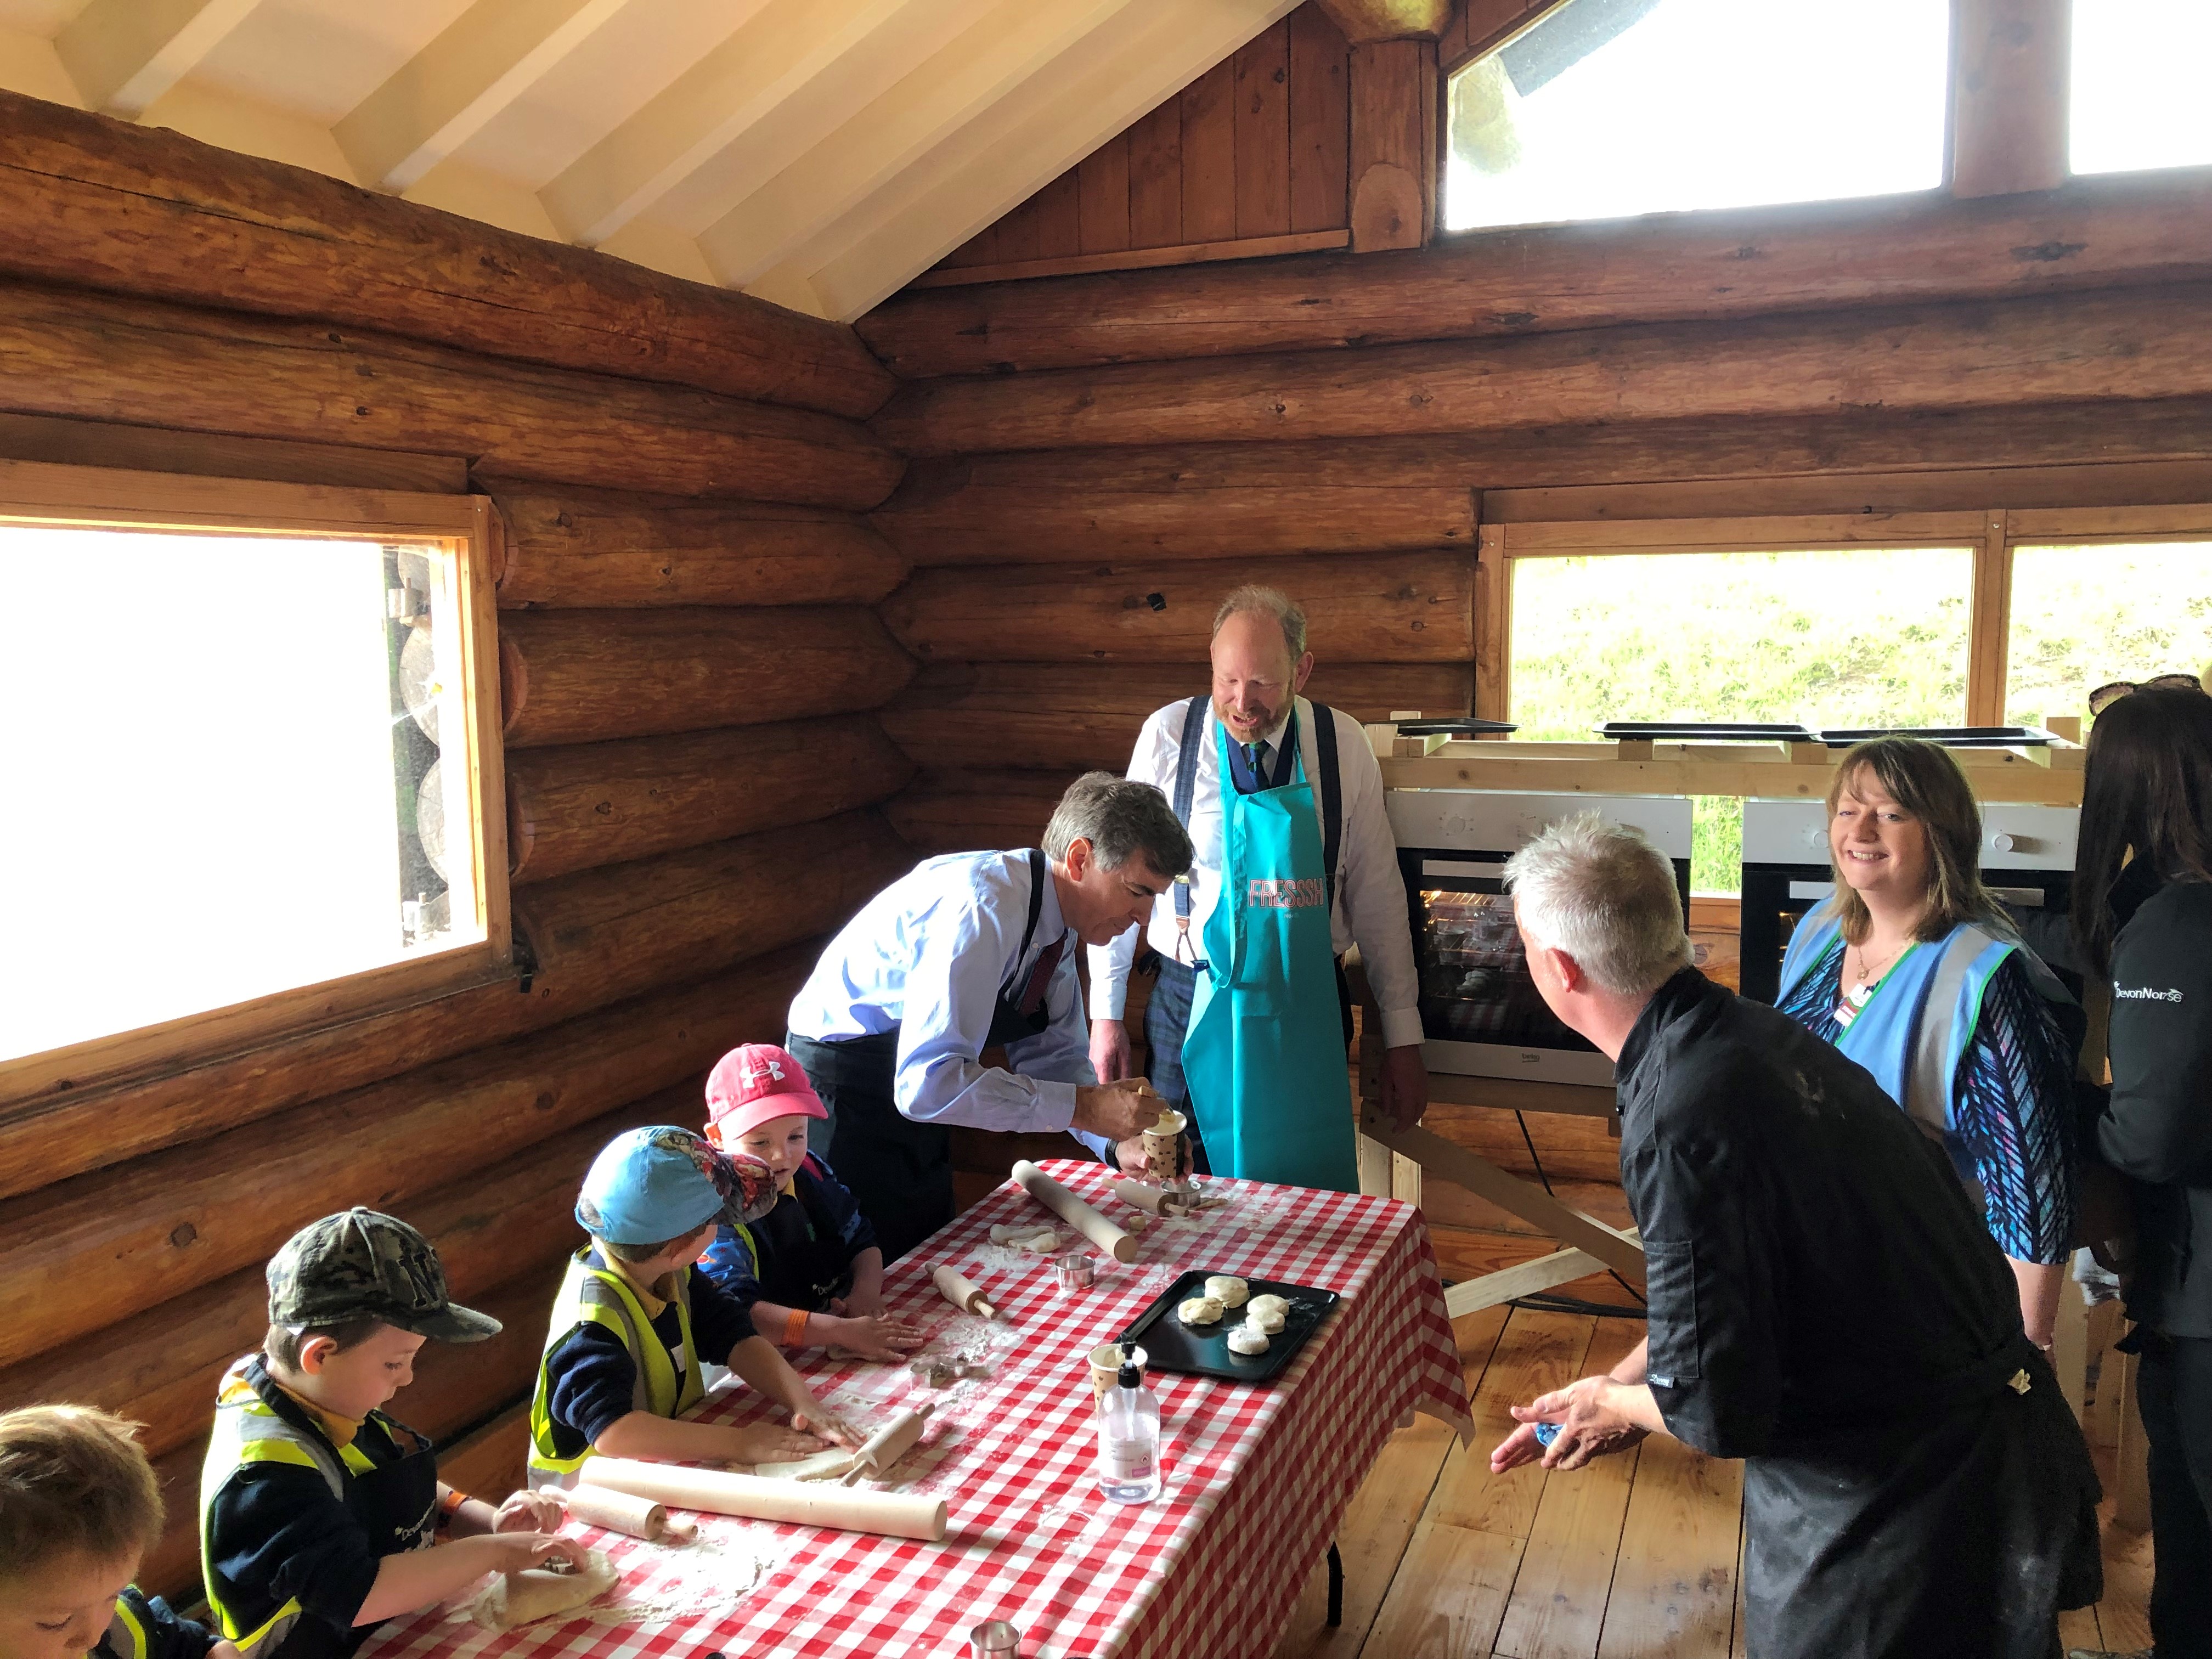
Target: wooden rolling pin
1077, 1213
962, 1291
617, 1511
888, 1514
889, 1444
1138, 1197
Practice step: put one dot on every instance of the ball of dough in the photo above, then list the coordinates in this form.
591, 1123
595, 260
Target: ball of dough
1246, 1340
1200, 1311
1230, 1292
1274, 1304
1263, 1319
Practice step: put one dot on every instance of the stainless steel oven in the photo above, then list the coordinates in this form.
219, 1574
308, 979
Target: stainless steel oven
1481, 1013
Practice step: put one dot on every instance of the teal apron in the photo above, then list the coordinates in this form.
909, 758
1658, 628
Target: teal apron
1264, 1055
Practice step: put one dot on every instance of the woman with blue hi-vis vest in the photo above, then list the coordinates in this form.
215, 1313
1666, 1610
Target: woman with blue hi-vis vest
1912, 969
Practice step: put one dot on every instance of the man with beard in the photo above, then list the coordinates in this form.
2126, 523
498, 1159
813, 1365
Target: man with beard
1293, 862
1824, 1303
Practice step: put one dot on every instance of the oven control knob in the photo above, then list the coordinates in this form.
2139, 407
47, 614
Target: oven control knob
1817, 840
2006, 841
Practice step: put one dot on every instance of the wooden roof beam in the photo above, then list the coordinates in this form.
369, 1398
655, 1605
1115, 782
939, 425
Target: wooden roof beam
934, 99
729, 96
1145, 54
452, 89
124, 54
1366, 22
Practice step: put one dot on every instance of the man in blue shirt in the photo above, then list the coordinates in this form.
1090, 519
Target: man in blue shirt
970, 951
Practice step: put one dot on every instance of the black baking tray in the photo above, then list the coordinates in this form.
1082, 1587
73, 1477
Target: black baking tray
1172, 1346
1951, 737
1467, 723
1706, 731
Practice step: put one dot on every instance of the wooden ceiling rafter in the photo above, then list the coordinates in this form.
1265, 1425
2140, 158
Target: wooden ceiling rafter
124, 54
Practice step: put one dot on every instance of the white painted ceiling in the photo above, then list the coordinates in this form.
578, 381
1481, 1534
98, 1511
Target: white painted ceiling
818, 153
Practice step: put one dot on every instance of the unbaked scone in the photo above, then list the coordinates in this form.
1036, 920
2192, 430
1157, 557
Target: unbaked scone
1248, 1338
1228, 1291
516, 1599
1269, 1320
1200, 1311
1271, 1301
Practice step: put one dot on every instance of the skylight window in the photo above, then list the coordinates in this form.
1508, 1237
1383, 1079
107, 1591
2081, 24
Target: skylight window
2138, 97
1608, 108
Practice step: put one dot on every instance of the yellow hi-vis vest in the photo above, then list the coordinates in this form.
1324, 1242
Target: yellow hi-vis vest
600, 1295
247, 1431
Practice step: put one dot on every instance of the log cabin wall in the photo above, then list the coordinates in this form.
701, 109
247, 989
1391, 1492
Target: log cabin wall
687, 663
1097, 458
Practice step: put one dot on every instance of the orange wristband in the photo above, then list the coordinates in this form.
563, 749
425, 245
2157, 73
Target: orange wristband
449, 1506
794, 1328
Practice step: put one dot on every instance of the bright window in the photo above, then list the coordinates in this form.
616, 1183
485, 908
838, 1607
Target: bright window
2085, 614
1862, 636
2137, 93
1614, 107
257, 757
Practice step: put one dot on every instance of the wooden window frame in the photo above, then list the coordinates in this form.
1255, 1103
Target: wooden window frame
1993, 533
48, 495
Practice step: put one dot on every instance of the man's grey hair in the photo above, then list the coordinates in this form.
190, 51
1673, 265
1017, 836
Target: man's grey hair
1270, 602
1606, 895
1121, 818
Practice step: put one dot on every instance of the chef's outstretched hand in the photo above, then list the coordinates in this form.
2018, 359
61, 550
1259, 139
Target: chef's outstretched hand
1595, 1417
1116, 1110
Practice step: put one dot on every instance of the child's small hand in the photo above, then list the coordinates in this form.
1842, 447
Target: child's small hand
882, 1337
529, 1511
513, 1550
771, 1443
817, 1419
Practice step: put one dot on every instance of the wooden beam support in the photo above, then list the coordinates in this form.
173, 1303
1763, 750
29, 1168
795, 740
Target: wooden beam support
451, 89
2126, 230
2118, 346
588, 675
149, 212
588, 804
1409, 608
124, 54
1365, 21
1394, 143
604, 549
596, 938
2011, 63
1526, 1278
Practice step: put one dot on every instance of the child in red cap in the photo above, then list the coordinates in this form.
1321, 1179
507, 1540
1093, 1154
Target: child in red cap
809, 1271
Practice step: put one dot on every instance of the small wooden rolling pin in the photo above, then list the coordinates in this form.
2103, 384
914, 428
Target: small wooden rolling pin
1138, 1197
889, 1444
963, 1292
888, 1513
617, 1511
1077, 1214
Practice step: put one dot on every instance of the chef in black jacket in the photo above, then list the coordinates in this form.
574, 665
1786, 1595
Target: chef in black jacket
2141, 939
1824, 1304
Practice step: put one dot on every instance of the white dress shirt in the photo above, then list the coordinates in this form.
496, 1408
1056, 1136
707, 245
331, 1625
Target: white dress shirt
1369, 907
926, 958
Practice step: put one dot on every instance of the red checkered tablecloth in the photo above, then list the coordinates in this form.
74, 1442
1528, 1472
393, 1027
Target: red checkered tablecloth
1255, 1477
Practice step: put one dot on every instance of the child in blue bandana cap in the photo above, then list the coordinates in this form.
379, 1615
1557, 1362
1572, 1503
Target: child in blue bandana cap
633, 1322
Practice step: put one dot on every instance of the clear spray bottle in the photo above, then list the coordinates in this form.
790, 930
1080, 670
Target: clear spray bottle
1129, 1437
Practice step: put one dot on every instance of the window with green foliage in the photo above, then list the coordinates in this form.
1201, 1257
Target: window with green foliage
1606, 108
2084, 616
1859, 636
2137, 98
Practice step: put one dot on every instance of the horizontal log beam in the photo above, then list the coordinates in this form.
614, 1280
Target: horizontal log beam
104, 357
593, 548
598, 936
589, 676
2114, 345
1735, 262
1409, 607
146, 210
159, 1369
97, 1248
583, 805
960, 810
1066, 716
1354, 495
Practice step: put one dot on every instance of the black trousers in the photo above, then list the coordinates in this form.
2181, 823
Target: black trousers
899, 1171
2174, 1390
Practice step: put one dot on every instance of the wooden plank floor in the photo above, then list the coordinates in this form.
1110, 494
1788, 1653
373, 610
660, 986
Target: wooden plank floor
1635, 1556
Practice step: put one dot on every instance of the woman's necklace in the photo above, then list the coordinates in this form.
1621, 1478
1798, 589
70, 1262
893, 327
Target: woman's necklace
1870, 971
1859, 994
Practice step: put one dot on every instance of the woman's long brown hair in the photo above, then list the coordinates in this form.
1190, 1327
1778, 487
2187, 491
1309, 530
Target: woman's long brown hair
1921, 778
2147, 792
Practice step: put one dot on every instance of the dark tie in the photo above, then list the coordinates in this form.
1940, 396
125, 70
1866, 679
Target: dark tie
1255, 756
1041, 976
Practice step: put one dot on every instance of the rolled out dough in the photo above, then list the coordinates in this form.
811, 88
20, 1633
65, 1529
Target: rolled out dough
517, 1599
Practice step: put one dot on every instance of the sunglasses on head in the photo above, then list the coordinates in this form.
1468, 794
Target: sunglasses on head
2105, 695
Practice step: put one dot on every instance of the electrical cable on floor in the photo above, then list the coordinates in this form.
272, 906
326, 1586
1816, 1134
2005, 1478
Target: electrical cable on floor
1575, 1305
1529, 1141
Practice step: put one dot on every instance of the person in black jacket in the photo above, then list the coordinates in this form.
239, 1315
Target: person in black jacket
2143, 930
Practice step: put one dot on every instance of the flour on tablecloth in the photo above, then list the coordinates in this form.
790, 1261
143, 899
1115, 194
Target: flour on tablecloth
659, 1582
